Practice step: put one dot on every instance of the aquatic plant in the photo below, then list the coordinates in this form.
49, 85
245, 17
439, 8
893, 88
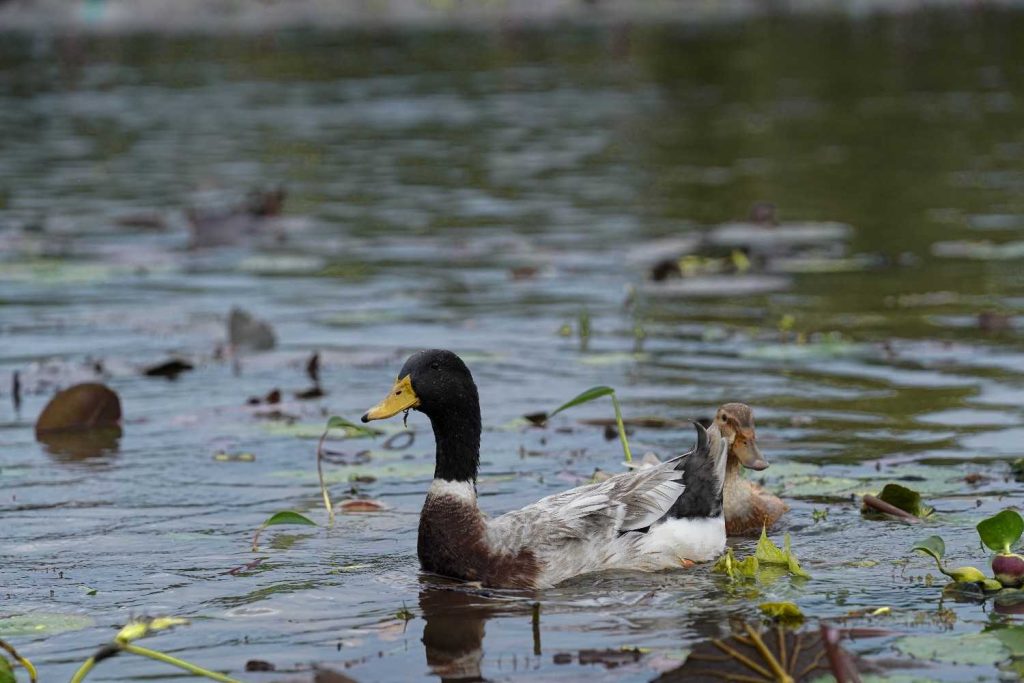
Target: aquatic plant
766, 554
593, 394
283, 517
351, 429
7, 672
1000, 533
140, 628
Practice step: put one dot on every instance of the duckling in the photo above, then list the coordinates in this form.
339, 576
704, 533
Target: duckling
661, 517
748, 507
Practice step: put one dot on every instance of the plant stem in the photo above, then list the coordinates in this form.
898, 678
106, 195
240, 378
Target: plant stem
83, 670
622, 428
32, 675
780, 674
320, 474
181, 664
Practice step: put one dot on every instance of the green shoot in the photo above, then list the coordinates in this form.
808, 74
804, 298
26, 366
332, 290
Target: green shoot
139, 629
32, 675
351, 429
595, 393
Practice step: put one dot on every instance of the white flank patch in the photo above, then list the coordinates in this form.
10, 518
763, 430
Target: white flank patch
460, 490
699, 540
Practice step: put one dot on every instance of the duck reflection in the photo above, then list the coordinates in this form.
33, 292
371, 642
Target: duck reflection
454, 634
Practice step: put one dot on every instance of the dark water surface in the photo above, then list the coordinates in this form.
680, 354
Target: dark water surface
476, 192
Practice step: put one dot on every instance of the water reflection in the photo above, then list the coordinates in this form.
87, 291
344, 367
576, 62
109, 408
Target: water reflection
454, 635
81, 446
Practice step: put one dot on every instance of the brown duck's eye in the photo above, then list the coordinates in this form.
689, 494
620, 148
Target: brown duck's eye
723, 419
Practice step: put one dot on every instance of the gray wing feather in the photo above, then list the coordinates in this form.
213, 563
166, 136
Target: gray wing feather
624, 502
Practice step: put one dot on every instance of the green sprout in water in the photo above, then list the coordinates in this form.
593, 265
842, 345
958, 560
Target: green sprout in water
123, 642
351, 429
6, 672
595, 393
283, 517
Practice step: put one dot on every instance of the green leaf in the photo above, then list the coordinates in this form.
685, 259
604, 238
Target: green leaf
1001, 531
283, 517
991, 586
734, 569
785, 612
934, 546
351, 428
6, 671
288, 517
905, 499
587, 396
769, 553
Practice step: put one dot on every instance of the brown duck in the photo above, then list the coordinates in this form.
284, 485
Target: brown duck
748, 507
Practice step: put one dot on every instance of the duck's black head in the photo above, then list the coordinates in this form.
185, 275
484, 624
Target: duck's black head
438, 384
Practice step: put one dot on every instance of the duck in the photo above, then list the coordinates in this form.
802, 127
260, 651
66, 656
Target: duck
748, 507
662, 517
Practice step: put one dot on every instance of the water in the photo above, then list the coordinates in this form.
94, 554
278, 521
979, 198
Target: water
476, 191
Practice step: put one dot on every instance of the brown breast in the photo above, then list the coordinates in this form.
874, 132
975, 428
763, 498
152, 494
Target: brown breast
748, 508
452, 543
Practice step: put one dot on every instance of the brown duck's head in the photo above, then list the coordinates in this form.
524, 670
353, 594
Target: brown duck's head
735, 422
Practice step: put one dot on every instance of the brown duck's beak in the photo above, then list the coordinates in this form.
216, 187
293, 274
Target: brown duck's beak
749, 454
401, 397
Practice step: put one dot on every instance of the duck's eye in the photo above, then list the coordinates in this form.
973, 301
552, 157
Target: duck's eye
722, 418
435, 365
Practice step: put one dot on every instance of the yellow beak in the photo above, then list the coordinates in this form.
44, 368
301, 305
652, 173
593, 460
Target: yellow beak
401, 397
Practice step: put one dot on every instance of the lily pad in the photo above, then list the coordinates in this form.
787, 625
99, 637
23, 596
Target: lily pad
1001, 531
980, 649
43, 623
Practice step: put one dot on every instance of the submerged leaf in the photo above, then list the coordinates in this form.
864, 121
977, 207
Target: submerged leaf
905, 499
42, 624
1001, 531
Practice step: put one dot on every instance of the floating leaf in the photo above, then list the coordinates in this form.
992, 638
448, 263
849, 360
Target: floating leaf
905, 499
1001, 531
43, 623
169, 369
783, 612
361, 506
283, 517
768, 553
934, 546
81, 407
733, 568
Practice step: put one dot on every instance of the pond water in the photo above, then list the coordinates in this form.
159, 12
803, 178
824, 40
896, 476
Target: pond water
478, 191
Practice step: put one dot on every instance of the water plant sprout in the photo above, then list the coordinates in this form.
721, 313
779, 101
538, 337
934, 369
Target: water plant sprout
133, 630
595, 393
32, 675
